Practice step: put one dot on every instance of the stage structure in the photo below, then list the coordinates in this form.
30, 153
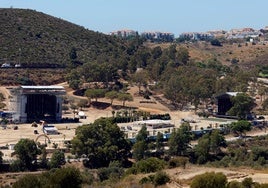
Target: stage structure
224, 102
35, 103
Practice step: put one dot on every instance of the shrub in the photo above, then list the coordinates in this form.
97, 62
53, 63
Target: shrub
57, 159
247, 182
234, 61
225, 161
215, 42
28, 180
203, 114
209, 180
16, 166
145, 180
112, 173
160, 178
234, 184
87, 178
178, 162
66, 177
146, 166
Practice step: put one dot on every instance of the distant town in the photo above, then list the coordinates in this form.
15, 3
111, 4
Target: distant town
241, 33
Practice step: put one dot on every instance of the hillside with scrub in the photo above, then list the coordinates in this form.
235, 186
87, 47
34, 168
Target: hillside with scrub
35, 39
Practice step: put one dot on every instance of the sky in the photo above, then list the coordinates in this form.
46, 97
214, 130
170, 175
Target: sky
175, 16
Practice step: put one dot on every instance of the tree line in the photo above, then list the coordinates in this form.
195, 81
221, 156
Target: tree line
170, 69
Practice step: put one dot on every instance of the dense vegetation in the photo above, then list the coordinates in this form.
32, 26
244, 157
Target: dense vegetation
36, 39
33, 39
65, 177
101, 142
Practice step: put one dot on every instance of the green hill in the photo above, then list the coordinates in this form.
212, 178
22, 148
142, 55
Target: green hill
33, 38
37, 40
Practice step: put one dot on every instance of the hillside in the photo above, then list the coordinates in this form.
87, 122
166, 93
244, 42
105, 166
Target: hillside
247, 54
37, 40
29, 37
244, 53
33, 38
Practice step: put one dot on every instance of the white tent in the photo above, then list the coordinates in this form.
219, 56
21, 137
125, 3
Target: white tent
81, 115
49, 129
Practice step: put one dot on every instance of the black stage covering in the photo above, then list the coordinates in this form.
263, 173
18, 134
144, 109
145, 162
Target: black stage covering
41, 107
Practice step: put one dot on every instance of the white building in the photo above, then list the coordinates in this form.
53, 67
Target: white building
125, 33
50, 130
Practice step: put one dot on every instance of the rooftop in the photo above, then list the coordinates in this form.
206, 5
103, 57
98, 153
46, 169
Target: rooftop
42, 87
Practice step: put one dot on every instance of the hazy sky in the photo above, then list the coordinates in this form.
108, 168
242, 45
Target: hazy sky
174, 16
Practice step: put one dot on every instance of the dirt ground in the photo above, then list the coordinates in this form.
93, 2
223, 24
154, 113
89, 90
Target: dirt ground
181, 177
9, 136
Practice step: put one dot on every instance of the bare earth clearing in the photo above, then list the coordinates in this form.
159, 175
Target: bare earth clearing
10, 137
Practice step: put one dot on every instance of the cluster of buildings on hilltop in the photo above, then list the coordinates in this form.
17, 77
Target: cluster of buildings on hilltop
243, 33
153, 35
232, 34
264, 30
125, 33
196, 36
156, 35
169, 37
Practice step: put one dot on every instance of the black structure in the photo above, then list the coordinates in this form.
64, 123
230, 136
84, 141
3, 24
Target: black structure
41, 106
224, 102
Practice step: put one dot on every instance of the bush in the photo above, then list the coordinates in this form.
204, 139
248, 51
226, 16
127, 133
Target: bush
209, 180
178, 162
160, 178
16, 166
28, 180
234, 184
225, 161
247, 182
202, 159
203, 114
66, 177
145, 180
87, 178
57, 159
146, 166
215, 42
122, 119
112, 173
234, 61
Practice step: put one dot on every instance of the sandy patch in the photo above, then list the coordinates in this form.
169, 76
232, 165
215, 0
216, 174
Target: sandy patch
184, 175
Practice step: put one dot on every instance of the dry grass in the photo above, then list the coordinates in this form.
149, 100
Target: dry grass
244, 53
202, 51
